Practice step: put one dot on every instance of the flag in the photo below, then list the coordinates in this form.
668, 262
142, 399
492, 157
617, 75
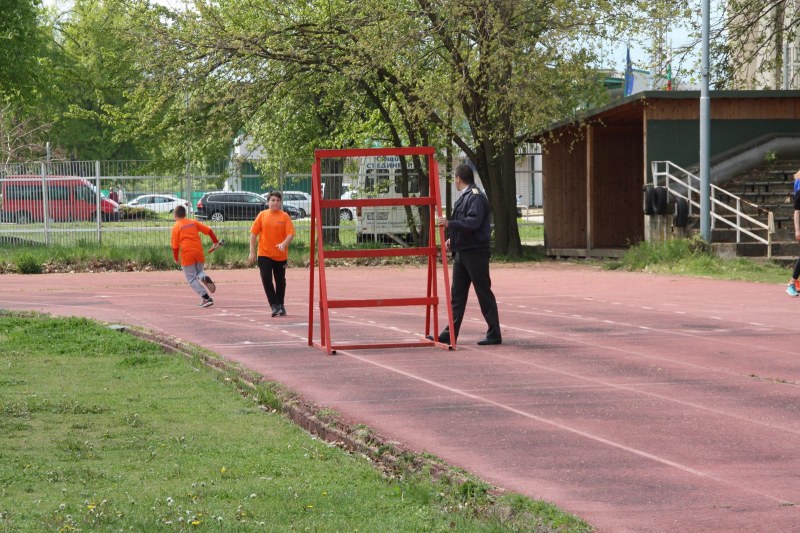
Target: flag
669, 72
628, 74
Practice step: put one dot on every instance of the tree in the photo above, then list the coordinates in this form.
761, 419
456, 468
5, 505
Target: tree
20, 42
487, 74
748, 44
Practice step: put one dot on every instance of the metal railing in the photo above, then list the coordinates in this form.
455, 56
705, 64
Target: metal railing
683, 184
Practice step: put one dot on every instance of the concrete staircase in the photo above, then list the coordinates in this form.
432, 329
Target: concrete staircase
770, 188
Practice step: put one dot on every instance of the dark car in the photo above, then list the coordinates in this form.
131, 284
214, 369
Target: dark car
293, 212
221, 206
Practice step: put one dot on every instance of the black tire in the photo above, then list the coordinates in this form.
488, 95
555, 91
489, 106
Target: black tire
647, 200
660, 197
681, 218
303, 213
345, 214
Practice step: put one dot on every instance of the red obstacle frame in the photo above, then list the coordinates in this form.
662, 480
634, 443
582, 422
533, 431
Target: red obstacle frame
430, 301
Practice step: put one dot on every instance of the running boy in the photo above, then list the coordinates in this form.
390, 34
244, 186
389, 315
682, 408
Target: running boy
186, 243
273, 231
792, 289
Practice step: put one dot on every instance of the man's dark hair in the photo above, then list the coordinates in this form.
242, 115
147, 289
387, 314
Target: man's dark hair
464, 173
180, 211
276, 194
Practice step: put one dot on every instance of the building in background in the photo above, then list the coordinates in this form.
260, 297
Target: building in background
764, 55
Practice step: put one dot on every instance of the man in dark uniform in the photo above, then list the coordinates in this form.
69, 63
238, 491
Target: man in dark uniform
469, 234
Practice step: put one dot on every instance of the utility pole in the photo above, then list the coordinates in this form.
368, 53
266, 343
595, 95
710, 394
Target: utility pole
705, 129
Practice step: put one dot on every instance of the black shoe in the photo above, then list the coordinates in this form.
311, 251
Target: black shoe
281, 310
444, 338
274, 310
490, 340
210, 285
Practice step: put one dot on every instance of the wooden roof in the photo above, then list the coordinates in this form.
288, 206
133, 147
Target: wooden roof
630, 109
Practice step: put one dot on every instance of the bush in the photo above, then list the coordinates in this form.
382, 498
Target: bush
28, 264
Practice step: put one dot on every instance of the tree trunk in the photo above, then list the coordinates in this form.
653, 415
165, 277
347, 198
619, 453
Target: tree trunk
496, 166
332, 170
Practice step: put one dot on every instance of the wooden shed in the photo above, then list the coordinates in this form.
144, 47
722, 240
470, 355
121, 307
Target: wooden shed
594, 169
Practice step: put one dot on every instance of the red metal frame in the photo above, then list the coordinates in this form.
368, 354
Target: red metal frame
317, 246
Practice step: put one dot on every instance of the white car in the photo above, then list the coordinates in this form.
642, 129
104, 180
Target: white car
160, 203
347, 213
300, 200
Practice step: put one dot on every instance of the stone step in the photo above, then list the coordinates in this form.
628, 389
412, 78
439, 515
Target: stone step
762, 186
779, 249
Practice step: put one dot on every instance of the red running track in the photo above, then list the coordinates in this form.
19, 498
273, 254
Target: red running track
638, 402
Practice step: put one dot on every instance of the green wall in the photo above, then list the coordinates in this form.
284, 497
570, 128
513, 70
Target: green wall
679, 140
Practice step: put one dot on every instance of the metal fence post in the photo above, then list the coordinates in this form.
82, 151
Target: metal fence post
45, 206
98, 212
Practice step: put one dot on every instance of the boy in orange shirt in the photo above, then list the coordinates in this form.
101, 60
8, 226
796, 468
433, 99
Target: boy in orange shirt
186, 243
272, 230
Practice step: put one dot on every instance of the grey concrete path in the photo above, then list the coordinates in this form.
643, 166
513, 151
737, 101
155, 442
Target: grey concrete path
638, 402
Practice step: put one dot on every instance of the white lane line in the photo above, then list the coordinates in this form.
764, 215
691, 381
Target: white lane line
563, 427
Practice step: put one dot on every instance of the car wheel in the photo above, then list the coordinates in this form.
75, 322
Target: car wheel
345, 214
23, 217
303, 213
216, 216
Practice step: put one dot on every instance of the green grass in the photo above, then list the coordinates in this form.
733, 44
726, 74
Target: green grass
691, 257
100, 430
150, 248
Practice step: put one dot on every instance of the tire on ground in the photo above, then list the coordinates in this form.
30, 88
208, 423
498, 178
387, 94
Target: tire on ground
681, 218
660, 198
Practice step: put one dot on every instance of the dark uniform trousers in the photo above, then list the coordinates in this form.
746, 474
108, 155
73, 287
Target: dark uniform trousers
472, 267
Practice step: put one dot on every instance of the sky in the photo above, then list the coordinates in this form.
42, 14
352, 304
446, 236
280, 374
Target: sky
678, 38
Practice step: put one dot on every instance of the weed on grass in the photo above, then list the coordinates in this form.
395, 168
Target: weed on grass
691, 257
101, 430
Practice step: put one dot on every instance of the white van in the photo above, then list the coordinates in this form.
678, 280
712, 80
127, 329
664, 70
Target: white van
381, 177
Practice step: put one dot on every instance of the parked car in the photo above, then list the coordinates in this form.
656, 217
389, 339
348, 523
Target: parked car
347, 213
160, 203
300, 200
221, 206
293, 212
68, 198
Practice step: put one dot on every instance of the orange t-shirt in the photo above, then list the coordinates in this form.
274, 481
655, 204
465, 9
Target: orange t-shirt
272, 227
186, 238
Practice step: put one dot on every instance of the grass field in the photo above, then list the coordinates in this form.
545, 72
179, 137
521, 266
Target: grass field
154, 231
100, 430
690, 257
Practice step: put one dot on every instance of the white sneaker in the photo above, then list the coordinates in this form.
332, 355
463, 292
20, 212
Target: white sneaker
207, 302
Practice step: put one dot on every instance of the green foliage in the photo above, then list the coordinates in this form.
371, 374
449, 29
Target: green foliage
692, 257
770, 157
20, 44
667, 253
28, 264
107, 441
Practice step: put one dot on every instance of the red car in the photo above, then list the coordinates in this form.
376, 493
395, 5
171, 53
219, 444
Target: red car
68, 198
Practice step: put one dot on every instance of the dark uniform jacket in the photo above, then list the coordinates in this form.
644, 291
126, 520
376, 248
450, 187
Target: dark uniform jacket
468, 227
